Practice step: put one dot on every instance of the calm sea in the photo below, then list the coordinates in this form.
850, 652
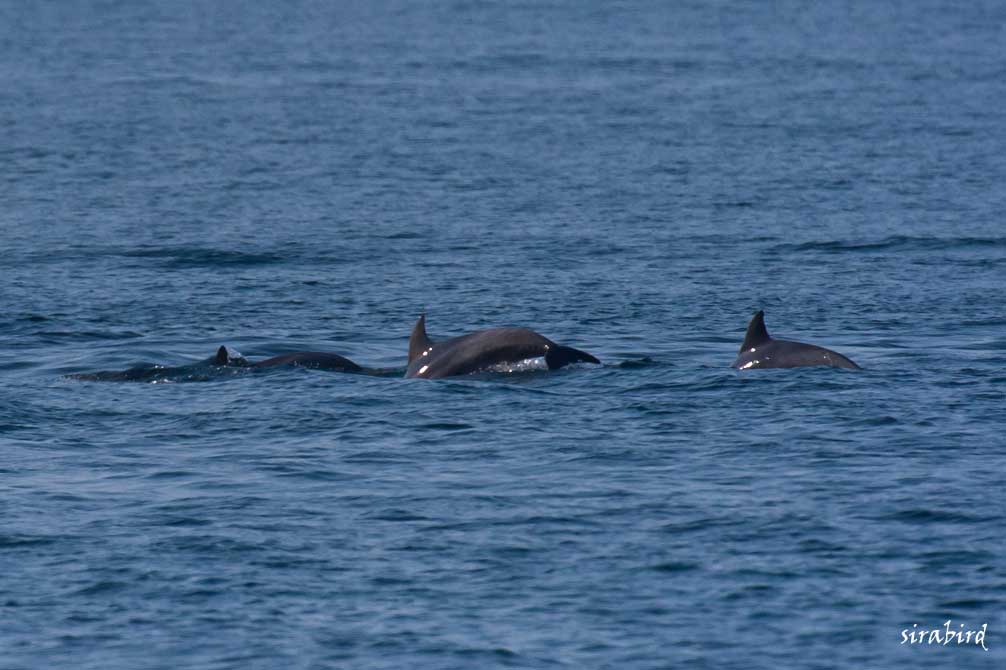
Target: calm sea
634, 179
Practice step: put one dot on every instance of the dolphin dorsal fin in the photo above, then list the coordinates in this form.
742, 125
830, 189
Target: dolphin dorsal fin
757, 333
419, 341
221, 357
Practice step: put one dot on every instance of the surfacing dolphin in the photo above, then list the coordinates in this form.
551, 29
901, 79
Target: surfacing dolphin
224, 357
762, 351
314, 360
199, 370
482, 350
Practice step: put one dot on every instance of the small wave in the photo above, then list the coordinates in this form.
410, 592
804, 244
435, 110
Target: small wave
89, 334
675, 566
629, 63
102, 587
15, 541
171, 474
969, 604
312, 475
396, 515
933, 516
894, 242
636, 363
886, 420
515, 59
735, 204
447, 426
185, 257
186, 522
697, 525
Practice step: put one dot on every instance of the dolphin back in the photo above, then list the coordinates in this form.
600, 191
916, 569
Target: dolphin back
482, 350
800, 354
760, 350
786, 354
314, 360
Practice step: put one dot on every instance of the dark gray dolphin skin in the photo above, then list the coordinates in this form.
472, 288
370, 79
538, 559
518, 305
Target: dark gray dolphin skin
483, 349
224, 357
314, 360
762, 351
142, 373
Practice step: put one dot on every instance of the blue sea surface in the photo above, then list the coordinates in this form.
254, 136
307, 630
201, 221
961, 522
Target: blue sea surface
634, 179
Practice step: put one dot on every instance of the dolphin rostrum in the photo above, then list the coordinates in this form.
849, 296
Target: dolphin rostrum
762, 351
482, 350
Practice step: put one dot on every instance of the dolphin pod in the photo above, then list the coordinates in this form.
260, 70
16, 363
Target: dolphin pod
489, 350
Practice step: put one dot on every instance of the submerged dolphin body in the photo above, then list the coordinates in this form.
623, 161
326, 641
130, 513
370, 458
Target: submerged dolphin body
482, 350
224, 357
760, 350
314, 360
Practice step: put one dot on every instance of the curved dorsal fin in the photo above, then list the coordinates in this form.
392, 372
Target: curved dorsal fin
757, 333
221, 357
418, 341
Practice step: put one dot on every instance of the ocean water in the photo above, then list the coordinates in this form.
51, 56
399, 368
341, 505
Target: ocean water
635, 179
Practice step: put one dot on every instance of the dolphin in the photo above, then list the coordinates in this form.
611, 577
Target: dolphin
762, 351
314, 360
224, 357
482, 350
149, 372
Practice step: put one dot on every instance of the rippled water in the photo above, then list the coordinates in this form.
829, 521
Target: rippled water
632, 179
